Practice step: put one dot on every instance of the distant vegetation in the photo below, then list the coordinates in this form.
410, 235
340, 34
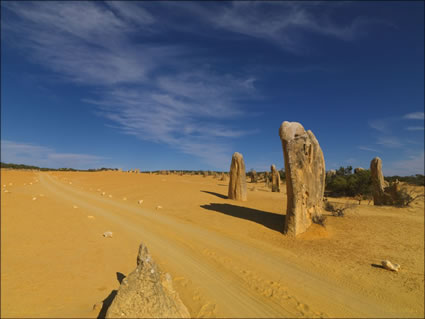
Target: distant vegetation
347, 183
31, 167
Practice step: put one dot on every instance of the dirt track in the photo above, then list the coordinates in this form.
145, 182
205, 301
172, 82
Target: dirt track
216, 274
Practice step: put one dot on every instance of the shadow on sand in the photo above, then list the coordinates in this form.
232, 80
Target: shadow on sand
269, 220
108, 300
377, 266
216, 194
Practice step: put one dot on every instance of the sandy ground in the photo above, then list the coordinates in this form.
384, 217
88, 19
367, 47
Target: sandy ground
227, 258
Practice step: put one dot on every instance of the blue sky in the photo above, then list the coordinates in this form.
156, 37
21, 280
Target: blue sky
183, 85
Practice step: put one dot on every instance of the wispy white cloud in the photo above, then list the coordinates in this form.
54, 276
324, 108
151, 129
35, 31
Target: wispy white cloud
389, 141
93, 44
415, 128
413, 164
366, 148
382, 125
131, 11
30, 154
414, 116
143, 87
282, 23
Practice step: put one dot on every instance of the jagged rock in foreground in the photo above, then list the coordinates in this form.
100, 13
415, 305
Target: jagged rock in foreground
305, 177
147, 293
275, 179
383, 193
237, 183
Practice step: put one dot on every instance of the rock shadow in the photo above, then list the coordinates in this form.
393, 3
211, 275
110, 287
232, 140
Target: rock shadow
216, 194
377, 266
270, 220
106, 303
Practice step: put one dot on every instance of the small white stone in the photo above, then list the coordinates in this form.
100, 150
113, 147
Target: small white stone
107, 234
75, 206
110, 196
70, 183
124, 198
90, 217
34, 198
140, 201
390, 266
6, 191
10, 184
103, 193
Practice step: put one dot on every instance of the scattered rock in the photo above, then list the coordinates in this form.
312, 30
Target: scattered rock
34, 198
75, 206
237, 183
390, 266
97, 307
305, 177
254, 176
158, 207
90, 217
107, 234
275, 179
267, 179
4, 185
70, 183
30, 183
147, 293
103, 194
10, 184
140, 201
124, 198
6, 191
358, 170
330, 173
110, 196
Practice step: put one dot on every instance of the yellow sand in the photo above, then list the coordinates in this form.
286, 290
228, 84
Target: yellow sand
227, 258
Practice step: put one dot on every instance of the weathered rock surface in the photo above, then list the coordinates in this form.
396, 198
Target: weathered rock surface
383, 193
305, 177
390, 266
358, 170
147, 293
330, 173
275, 179
254, 176
267, 179
237, 183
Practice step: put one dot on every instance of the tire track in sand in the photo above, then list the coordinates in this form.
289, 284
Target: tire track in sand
226, 293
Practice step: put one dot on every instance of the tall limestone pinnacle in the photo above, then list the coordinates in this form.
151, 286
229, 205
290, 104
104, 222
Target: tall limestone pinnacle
305, 177
237, 183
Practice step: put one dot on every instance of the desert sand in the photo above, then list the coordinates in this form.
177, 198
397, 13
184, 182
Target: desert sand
227, 258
